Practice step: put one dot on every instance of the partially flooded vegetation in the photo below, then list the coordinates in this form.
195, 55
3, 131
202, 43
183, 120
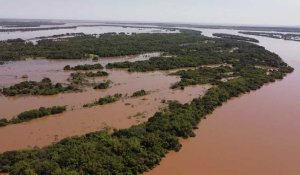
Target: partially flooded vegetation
105, 100
140, 93
235, 37
139, 148
84, 67
103, 85
33, 114
44, 87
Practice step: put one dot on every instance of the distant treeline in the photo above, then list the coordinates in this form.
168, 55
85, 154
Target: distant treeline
27, 23
288, 36
235, 37
36, 29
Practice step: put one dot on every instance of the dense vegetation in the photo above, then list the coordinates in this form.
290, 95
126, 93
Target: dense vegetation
206, 51
284, 36
105, 100
84, 67
79, 78
61, 36
103, 85
235, 37
96, 74
203, 75
110, 44
128, 151
33, 114
140, 93
140, 148
44, 87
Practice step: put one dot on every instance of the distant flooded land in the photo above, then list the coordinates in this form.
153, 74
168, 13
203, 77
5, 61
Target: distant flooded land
284, 36
115, 98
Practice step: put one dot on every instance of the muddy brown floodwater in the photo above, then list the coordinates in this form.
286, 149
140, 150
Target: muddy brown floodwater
257, 133
78, 120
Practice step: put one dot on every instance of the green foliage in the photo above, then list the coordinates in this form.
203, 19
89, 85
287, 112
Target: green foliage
96, 74
284, 36
107, 45
80, 78
235, 37
44, 87
33, 114
105, 100
206, 51
84, 67
103, 85
140, 93
3, 122
140, 148
203, 75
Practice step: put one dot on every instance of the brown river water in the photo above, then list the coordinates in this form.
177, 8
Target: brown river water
78, 120
257, 133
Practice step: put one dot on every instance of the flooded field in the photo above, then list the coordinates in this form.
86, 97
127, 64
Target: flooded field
257, 133
78, 120
12, 72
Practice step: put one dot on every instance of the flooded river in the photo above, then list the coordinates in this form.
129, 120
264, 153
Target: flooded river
257, 133
78, 120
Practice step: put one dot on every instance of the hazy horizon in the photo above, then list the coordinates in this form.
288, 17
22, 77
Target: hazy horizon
213, 12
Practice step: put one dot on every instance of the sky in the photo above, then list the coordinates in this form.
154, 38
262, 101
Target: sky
243, 12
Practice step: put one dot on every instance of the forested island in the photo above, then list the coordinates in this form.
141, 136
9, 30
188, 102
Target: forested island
140, 148
287, 36
235, 37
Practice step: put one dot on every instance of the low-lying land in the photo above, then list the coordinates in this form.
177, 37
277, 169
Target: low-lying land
288, 36
33, 114
235, 37
140, 148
